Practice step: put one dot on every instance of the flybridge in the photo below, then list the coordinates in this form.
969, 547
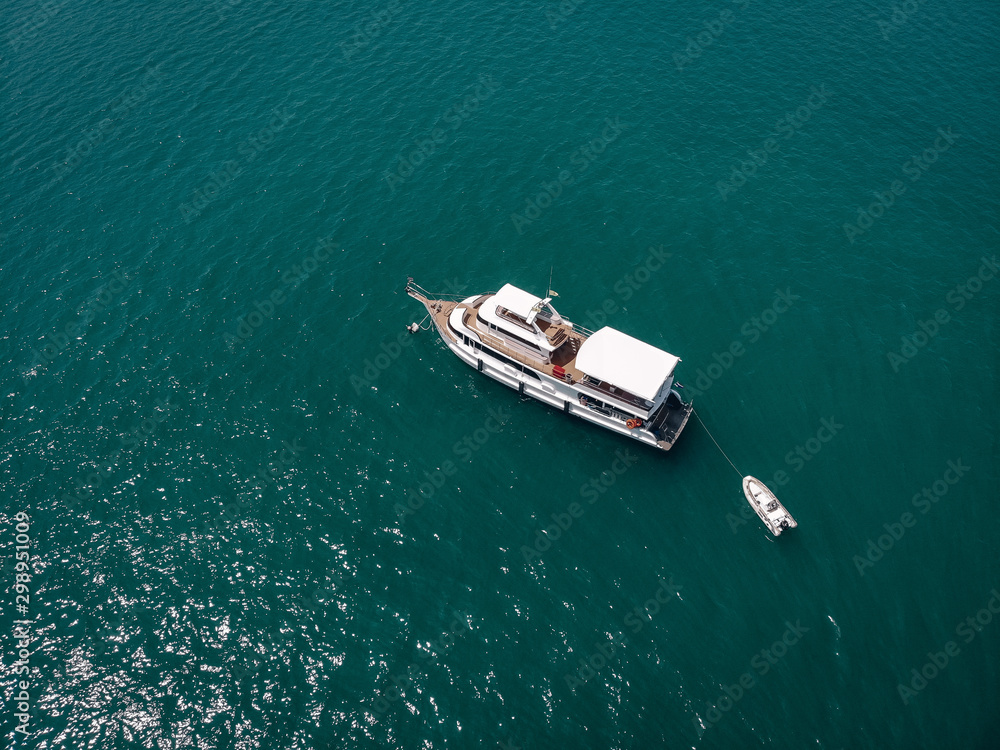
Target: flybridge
521, 316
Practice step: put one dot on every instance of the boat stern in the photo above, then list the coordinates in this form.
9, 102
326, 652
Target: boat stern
670, 419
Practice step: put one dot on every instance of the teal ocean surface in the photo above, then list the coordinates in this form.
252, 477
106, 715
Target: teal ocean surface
243, 508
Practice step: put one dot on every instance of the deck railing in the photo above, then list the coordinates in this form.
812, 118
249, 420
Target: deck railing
585, 332
414, 289
496, 343
622, 396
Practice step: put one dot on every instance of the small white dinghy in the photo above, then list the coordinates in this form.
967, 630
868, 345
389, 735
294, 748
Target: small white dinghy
768, 507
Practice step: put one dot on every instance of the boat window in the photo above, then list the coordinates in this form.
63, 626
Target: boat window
615, 391
517, 320
507, 360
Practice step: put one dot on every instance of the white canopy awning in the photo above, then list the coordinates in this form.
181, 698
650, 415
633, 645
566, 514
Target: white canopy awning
630, 364
516, 300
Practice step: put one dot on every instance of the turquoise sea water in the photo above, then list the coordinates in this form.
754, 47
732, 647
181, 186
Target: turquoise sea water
211, 421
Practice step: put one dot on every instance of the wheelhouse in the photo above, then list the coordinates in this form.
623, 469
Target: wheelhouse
525, 322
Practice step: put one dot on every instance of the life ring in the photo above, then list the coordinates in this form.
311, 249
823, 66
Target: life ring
632, 424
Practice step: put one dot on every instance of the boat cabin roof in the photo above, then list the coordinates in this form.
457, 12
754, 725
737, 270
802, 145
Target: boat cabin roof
626, 362
516, 300
514, 310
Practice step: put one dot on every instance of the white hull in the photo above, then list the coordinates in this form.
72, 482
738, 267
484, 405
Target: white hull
768, 507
